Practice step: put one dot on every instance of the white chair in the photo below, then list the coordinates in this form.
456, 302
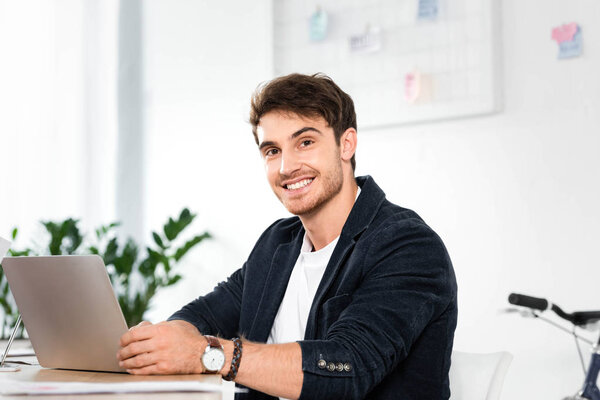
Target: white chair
477, 376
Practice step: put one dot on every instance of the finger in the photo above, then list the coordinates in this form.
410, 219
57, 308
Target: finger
135, 348
143, 323
137, 333
139, 361
148, 370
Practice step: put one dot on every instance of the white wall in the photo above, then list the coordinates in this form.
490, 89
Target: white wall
513, 195
56, 121
203, 61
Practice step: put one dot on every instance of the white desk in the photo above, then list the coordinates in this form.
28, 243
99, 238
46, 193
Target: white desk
36, 373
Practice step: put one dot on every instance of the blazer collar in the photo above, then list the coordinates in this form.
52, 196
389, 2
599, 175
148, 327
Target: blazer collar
365, 208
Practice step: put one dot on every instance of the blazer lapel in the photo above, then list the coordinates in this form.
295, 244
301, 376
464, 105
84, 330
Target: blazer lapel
338, 257
281, 268
363, 212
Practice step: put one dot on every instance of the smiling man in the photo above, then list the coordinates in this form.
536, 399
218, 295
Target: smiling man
352, 298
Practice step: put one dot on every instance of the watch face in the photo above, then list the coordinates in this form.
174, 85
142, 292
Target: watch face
213, 359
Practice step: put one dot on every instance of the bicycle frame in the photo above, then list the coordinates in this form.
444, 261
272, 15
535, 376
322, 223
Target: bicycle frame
590, 388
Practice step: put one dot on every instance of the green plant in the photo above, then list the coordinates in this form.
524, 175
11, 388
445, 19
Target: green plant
9, 310
153, 271
136, 275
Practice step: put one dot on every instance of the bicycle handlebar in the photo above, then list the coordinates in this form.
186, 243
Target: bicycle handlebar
578, 318
536, 303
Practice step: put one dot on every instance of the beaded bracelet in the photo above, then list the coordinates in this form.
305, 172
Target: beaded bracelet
235, 361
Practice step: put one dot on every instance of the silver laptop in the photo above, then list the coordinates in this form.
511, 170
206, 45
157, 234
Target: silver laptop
69, 310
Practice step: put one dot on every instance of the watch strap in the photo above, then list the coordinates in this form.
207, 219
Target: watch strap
213, 341
213, 345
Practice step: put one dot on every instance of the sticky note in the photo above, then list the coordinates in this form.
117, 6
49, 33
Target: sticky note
367, 42
318, 26
428, 9
569, 40
412, 86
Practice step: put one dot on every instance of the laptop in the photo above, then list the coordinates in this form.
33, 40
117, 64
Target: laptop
69, 310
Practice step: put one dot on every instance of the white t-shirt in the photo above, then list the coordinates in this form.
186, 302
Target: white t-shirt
290, 322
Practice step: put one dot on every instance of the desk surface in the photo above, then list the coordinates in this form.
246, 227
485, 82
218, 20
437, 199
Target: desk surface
36, 373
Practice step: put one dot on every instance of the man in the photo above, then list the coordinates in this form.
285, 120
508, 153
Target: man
353, 298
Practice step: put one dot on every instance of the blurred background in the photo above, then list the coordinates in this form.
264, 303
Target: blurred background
482, 116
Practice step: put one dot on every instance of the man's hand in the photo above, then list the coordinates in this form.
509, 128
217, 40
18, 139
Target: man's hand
175, 347
171, 347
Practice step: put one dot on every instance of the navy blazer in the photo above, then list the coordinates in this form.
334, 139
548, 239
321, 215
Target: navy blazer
382, 322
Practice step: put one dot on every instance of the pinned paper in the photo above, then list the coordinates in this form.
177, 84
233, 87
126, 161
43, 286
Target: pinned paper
428, 9
412, 86
568, 37
367, 42
318, 25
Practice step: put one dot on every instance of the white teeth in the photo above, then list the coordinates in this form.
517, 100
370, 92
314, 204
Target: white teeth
298, 185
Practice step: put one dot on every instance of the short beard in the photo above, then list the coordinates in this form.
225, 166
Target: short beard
331, 184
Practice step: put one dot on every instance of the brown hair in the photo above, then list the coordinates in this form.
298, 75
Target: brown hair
308, 96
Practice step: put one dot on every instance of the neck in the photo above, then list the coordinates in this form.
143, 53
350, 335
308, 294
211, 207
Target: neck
325, 224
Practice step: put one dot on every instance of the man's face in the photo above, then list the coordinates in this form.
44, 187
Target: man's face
302, 160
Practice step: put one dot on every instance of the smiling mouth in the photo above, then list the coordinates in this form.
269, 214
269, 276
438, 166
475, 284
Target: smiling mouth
299, 185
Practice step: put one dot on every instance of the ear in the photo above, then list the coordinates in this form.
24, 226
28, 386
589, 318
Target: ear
348, 143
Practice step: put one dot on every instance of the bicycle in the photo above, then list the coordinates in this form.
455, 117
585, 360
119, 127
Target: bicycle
578, 319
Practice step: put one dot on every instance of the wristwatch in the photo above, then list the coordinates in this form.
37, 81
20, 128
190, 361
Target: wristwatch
213, 358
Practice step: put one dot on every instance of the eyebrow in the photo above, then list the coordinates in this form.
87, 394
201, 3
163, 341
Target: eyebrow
305, 129
292, 136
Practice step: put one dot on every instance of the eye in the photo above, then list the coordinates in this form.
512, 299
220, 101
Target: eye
271, 152
306, 142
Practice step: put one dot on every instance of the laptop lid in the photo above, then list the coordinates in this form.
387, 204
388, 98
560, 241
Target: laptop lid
69, 310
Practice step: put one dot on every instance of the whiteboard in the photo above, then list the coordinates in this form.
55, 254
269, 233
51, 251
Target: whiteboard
453, 56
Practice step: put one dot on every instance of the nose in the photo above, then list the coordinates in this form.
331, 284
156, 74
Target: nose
289, 164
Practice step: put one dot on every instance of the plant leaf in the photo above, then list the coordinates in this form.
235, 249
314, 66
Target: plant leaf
173, 228
154, 255
59, 231
56, 237
73, 234
170, 229
158, 240
110, 254
185, 218
182, 251
124, 263
148, 266
173, 280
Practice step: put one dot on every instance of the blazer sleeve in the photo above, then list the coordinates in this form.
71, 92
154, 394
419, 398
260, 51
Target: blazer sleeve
217, 313
407, 282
